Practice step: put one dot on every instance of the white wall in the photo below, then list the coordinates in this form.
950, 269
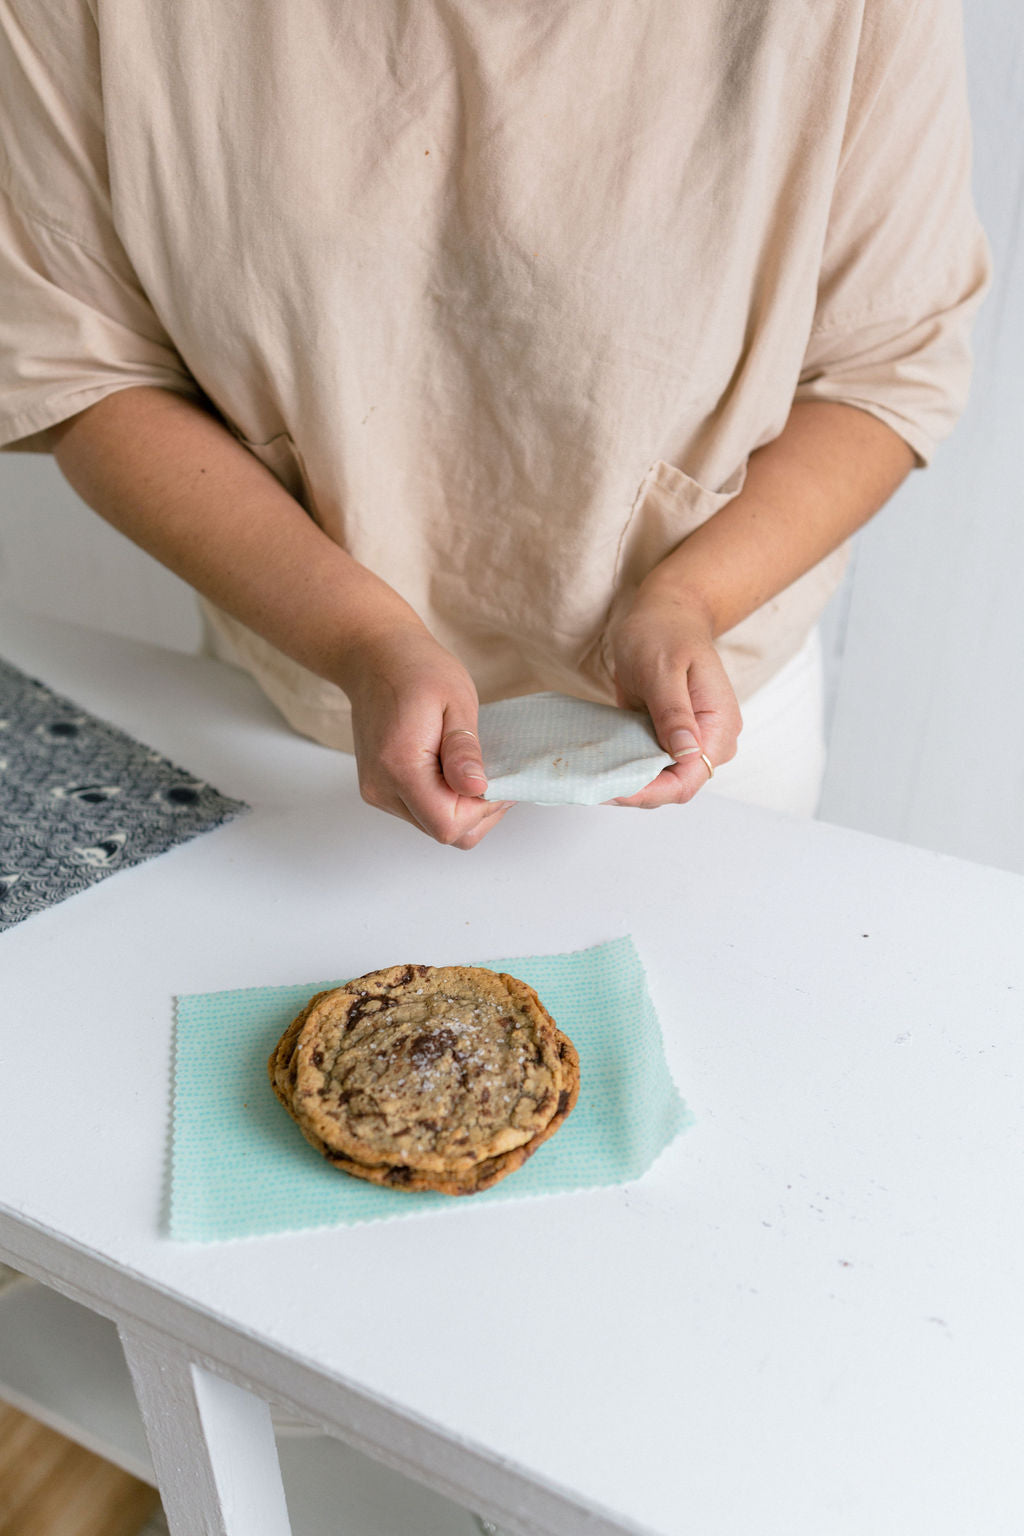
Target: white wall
57, 558
926, 639
928, 727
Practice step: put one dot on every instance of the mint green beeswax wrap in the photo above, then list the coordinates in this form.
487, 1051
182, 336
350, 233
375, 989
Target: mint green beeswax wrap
241, 1168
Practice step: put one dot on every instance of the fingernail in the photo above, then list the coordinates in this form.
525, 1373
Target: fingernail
682, 743
479, 777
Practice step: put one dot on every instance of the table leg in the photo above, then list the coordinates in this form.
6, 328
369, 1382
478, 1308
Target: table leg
212, 1445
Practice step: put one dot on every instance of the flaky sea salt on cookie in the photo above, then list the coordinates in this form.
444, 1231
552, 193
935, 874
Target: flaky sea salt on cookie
483, 1174
434, 1070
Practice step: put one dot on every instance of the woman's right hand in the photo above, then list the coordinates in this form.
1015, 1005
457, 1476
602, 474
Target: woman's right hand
414, 722
230, 529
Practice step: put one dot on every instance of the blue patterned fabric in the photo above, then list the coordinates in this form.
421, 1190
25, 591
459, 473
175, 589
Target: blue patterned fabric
80, 800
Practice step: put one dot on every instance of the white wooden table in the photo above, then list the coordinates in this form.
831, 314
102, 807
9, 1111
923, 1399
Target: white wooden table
808, 1317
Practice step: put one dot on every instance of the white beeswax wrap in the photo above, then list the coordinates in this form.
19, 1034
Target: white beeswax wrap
554, 750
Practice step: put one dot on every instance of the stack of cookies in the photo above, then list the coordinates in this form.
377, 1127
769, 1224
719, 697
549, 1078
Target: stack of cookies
427, 1077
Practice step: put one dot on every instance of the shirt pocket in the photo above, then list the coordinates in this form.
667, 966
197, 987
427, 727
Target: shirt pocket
667, 508
280, 455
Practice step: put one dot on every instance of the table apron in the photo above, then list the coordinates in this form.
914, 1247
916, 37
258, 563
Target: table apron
474, 1478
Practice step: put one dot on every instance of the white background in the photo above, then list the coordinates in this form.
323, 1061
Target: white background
926, 639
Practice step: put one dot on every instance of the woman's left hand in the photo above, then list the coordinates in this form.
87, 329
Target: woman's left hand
665, 661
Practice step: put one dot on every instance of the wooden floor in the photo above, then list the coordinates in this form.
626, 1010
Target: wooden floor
52, 1487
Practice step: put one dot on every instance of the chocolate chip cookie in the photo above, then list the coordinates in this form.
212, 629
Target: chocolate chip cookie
427, 1077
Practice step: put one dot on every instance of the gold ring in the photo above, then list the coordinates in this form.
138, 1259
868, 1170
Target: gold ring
461, 732
707, 764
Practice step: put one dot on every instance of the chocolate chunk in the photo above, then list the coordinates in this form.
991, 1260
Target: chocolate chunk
425, 1049
362, 1006
563, 1103
460, 1062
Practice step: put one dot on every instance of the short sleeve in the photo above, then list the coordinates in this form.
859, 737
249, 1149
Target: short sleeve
75, 324
906, 262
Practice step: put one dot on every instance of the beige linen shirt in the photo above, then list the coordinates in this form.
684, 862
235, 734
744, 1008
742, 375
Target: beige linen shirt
505, 292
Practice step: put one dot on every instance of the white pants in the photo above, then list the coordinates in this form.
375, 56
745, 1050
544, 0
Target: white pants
780, 762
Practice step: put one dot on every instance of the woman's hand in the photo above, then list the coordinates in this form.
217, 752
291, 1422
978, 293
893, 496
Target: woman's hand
665, 662
414, 720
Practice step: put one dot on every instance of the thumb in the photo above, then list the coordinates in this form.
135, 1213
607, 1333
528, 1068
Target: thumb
461, 759
675, 724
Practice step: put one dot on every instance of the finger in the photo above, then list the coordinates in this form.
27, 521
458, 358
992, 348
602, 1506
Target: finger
673, 786
464, 828
674, 719
484, 826
679, 732
696, 718
462, 763
418, 794
717, 714
417, 783
441, 811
